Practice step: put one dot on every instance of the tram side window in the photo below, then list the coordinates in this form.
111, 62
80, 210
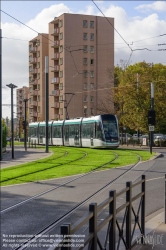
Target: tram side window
32, 132
98, 131
57, 132
87, 130
42, 131
71, 131
76, 131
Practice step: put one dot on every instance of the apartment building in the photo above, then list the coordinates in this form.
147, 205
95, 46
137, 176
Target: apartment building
38, 49
81, 51
21, 95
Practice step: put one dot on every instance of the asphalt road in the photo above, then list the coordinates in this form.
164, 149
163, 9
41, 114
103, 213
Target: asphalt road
30, 217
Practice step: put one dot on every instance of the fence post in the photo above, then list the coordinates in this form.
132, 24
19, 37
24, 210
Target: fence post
128, 215
66, 230
93, 225
143, 208
112, 210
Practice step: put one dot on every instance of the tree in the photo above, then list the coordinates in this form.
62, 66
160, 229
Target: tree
132, 98
4, 133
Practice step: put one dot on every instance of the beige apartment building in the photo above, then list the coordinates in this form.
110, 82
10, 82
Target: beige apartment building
38, 49
21, 95
80, 50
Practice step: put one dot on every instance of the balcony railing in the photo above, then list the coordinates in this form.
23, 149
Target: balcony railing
55, 31
56, 116
33, 114
55, 56
55, 43
33, 60
34, 92
32, 49
55, 80
33, 71
56, 92
55, 105
55, 68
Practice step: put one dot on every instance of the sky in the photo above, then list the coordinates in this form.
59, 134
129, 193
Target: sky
140, 26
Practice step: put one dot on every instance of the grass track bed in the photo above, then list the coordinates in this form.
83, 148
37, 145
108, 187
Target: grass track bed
70, 161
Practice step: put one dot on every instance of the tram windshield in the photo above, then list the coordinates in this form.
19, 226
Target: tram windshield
110, 127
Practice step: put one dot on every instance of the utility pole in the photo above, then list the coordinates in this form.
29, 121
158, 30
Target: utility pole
46, 100
151, 117
25, 123
137, 109
12, 86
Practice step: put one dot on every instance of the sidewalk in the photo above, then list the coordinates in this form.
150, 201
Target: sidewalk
21, 156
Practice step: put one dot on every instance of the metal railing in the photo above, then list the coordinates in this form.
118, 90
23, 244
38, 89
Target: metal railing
92, 240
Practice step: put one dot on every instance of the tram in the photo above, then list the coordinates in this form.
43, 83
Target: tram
99, 131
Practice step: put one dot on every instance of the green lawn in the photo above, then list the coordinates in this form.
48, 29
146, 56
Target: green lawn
67, 161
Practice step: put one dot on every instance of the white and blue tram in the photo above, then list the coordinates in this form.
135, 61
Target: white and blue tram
99, 131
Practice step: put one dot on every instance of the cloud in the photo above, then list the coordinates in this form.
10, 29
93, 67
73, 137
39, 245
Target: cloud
15, 53
158, 6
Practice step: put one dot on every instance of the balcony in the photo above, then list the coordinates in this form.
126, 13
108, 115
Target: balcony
55, 31
34, 92
55, 44
56, 116
55, 68
55, 105
55, 56
34, 103
55, 80
32, 49
33, 71
56, 92
33, 114
33, 60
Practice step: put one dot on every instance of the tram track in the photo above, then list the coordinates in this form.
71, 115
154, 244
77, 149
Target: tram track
60, 219
61, 185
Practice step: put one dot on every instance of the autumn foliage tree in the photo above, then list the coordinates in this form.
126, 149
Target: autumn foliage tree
132, 95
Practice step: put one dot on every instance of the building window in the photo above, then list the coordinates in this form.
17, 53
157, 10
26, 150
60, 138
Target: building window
92, 24
61, 73
92, 111
38, 109
85, 74
85, 24
85, 48
85, 36
92, 98
60, 86
38, 75
38, 65
61, 111
60, 23
91, 73
91, 36
61, 98
38, 98
38, 86
91, 61
91, 49
61, 61
60, 36
61, 48
38, 53
85, 61
85, 110
92, 85
85, 85
85, 98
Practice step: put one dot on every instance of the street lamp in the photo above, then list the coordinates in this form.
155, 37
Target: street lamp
25, 125
12, 86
